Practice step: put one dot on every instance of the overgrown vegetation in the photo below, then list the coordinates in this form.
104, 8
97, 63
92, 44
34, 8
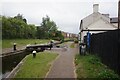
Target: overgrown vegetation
22, 42
72, 45
90, 66
17, 28
36, 67
48, 29
75, 41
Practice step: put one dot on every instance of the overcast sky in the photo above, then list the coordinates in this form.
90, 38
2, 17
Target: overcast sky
66, 13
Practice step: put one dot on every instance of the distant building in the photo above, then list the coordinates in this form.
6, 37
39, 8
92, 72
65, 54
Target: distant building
96, 23
64, 34
69, 35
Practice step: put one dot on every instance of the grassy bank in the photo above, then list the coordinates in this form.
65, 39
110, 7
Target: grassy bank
36, 67
21, 42
89, 66
72, 45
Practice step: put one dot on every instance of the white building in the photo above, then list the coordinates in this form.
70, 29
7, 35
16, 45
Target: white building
95, 23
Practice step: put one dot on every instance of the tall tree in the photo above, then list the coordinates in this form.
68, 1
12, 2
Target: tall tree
16, 28
20, 16
48, 27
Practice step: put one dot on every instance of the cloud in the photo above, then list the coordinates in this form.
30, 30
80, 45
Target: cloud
59, 1
66, 14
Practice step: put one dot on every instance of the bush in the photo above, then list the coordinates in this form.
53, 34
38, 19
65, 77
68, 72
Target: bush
107, 74
75, 41
90, 66
94, 60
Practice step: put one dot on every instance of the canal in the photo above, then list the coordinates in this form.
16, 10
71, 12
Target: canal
10, 62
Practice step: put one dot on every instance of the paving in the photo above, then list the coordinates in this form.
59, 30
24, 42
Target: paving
8, 50
63, 66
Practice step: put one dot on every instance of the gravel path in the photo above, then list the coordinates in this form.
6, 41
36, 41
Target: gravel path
63, 66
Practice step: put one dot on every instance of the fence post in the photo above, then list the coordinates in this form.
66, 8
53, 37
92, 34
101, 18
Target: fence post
119, 14
119, 35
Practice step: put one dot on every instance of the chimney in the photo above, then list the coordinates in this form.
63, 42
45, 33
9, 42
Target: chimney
95, 8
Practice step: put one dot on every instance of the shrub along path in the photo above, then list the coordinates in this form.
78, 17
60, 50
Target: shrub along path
64, 66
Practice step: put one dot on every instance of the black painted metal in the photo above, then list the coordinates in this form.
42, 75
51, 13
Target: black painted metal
96, 30
38, 47
106, 46
119, 32
119, 14
42, 47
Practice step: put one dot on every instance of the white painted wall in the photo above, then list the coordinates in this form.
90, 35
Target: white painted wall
101, 24
98, 25
115, 24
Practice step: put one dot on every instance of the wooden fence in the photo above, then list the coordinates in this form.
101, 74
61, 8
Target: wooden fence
107, 46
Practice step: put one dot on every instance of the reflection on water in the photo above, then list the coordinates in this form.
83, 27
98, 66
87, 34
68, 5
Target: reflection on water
9, 62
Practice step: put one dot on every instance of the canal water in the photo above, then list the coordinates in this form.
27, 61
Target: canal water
11, 61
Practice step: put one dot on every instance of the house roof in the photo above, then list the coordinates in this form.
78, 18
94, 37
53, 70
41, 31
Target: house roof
92, 18
106, 23
114, 20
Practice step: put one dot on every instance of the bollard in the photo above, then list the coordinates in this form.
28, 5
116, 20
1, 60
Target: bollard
14, 47
51, 44
34, 54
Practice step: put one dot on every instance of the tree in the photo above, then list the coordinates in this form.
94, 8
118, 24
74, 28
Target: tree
40, 33
16, 28
59, 36
48, 27
0, 27
20, 16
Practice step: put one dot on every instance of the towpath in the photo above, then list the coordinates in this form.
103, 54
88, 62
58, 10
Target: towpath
63, 66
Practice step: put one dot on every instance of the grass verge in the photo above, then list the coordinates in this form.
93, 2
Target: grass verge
90, 66
21, 42
36, 67
72, 45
